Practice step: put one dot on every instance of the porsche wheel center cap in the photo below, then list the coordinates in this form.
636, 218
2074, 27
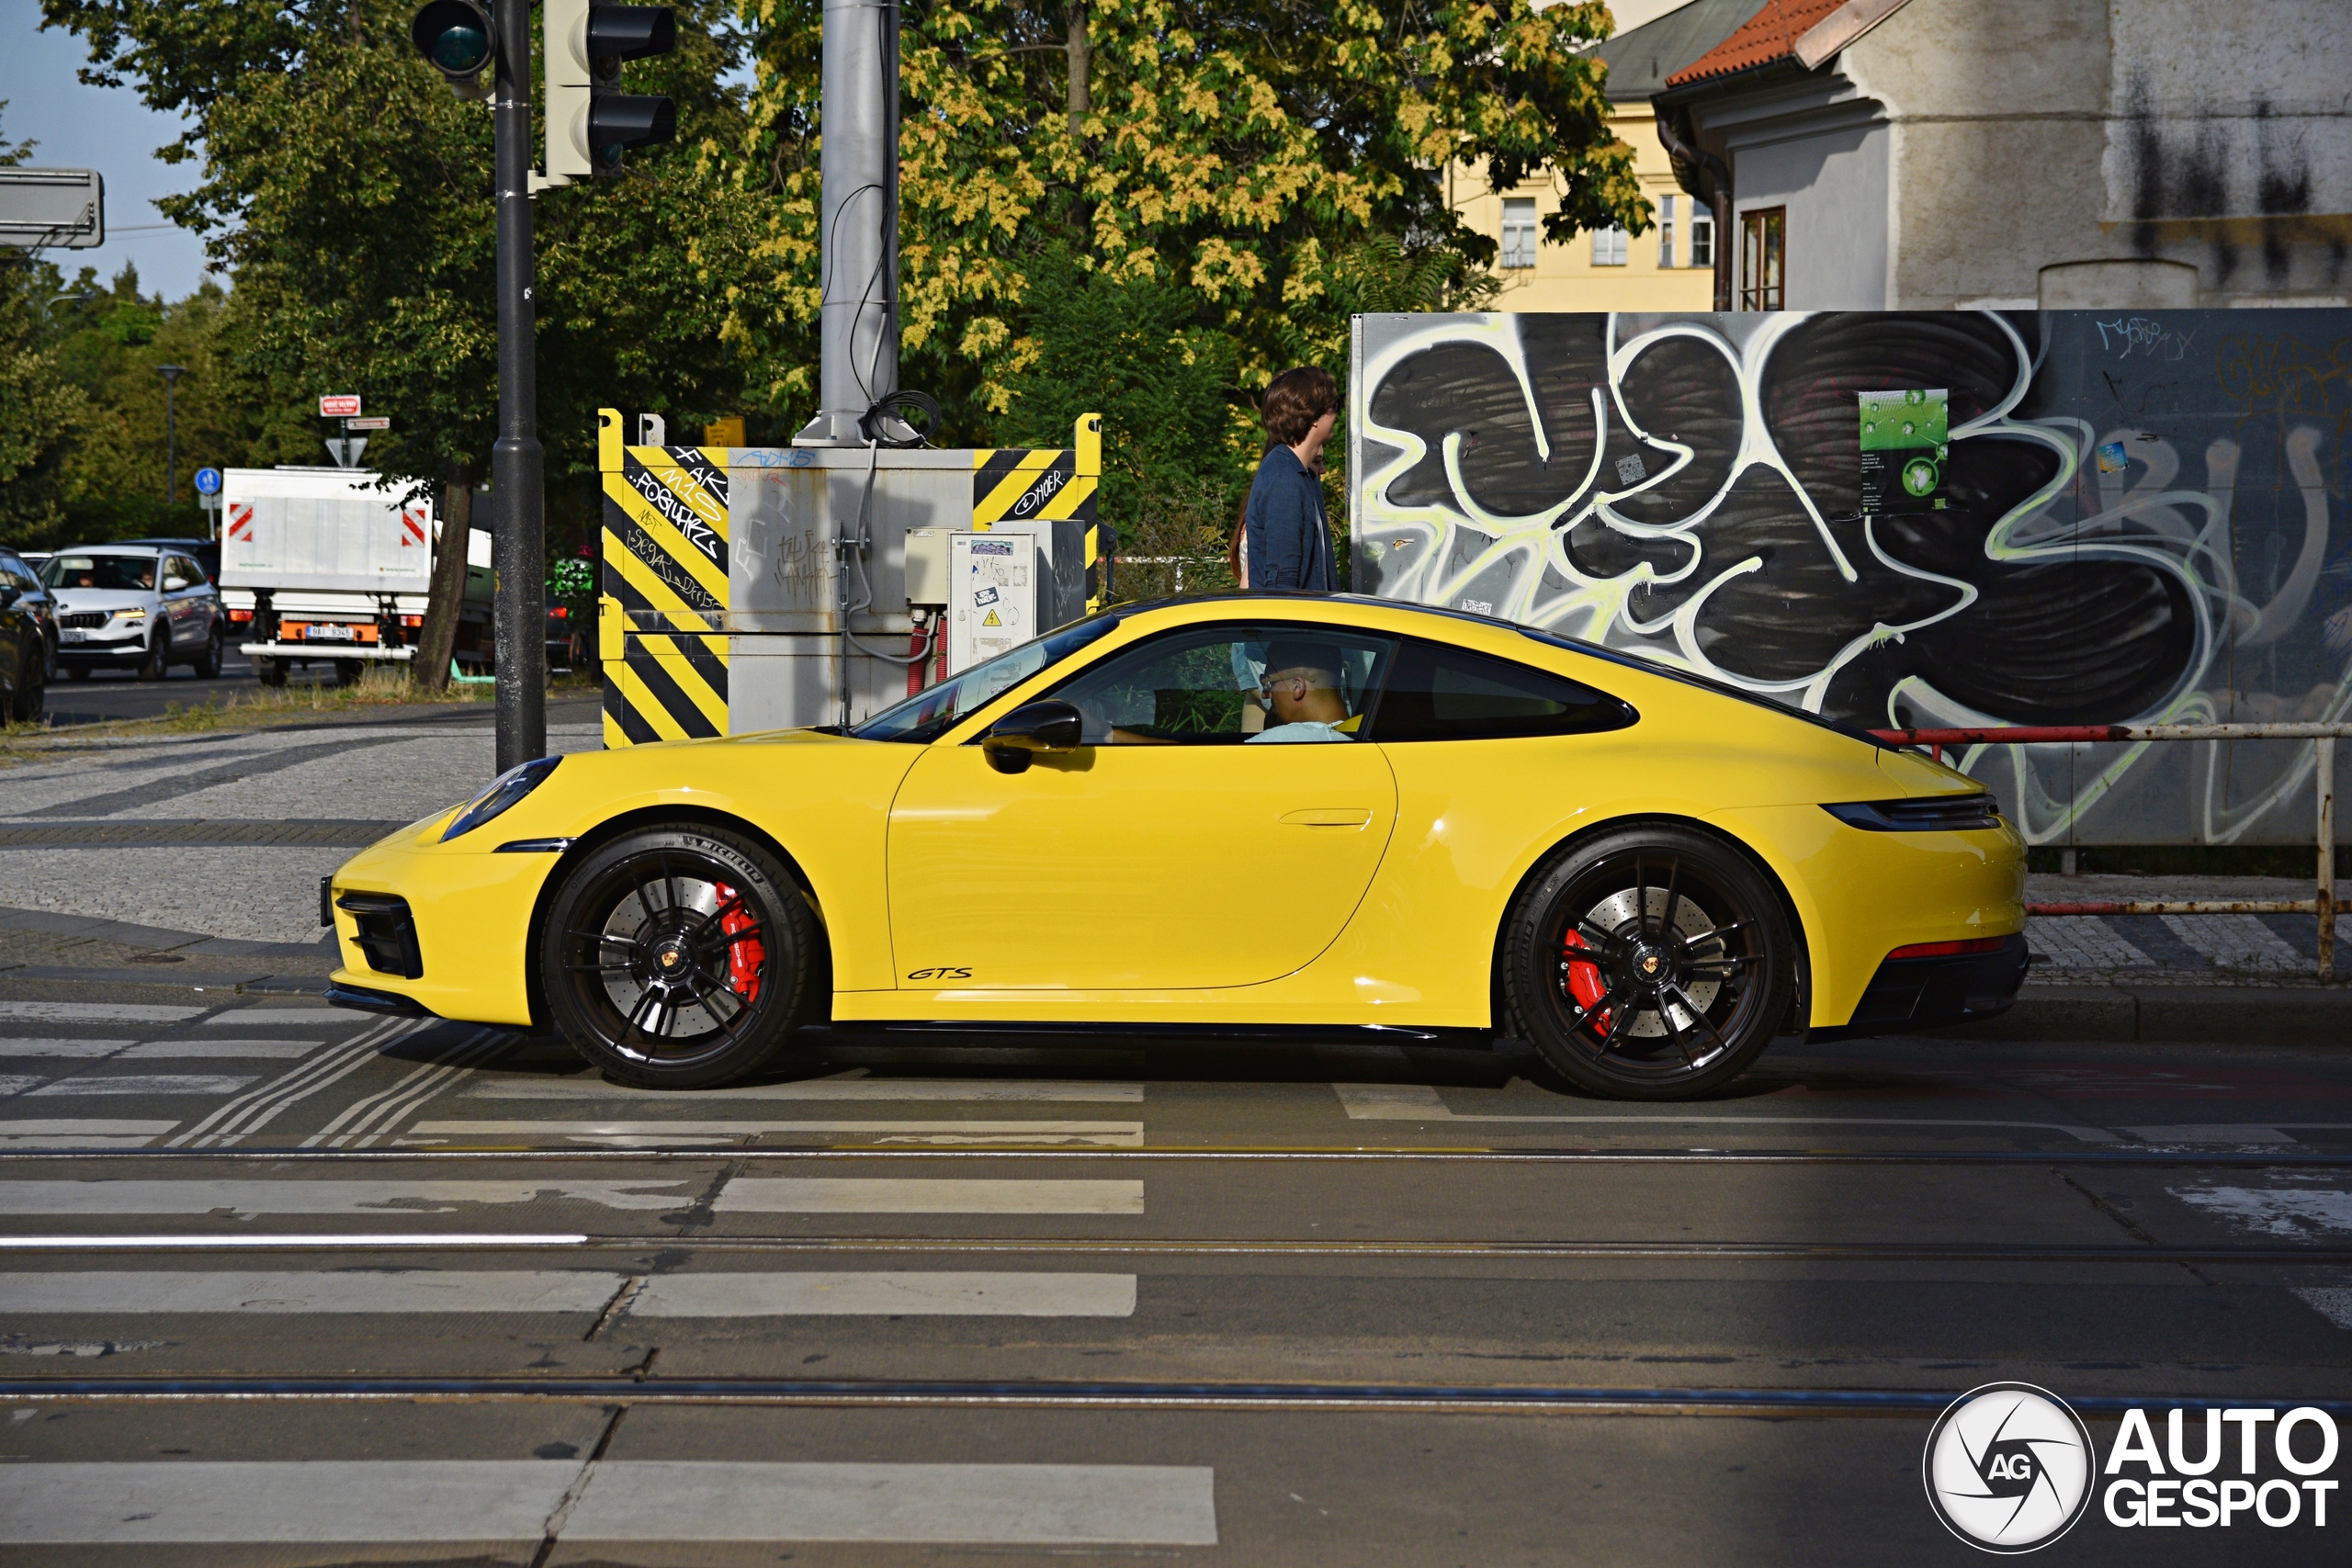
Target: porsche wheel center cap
671, 958
1649, 963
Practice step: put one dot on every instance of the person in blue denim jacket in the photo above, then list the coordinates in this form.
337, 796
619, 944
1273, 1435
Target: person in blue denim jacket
1288, 535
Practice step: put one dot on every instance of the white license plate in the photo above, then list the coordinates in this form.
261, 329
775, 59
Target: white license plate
71, 634
334, 633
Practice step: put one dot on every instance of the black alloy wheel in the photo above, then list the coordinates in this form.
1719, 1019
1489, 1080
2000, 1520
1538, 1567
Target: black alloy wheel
678, 957
157, 663
208, 663
1652, 963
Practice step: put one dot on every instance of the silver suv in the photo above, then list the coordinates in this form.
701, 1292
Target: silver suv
133, 608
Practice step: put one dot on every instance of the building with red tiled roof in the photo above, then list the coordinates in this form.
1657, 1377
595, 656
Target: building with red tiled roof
1769, 35
1935, 154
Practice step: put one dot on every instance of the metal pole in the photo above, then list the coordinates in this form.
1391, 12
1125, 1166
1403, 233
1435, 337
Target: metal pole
858, 203
517, 499
171, 374
2324, 750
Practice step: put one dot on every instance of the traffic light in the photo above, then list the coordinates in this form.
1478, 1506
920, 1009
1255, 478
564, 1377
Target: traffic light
591, 122
457, 36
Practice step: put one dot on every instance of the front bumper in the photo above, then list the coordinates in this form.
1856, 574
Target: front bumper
1908, 994
460, 945
131, 647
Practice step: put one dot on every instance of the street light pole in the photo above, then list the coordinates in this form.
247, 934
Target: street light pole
171, 374
518, 463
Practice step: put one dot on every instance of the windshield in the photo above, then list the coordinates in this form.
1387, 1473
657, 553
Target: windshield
930, 714
127, 573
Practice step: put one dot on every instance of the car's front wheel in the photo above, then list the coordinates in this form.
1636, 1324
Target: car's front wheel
678, 957
1652, 963
157, 663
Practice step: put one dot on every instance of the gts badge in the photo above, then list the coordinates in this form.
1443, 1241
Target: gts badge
943, 974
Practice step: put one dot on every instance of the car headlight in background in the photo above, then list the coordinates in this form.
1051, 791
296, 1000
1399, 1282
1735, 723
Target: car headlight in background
133, 615
505, 791
1920, 814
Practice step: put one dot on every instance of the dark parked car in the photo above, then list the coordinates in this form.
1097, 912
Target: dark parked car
28, 640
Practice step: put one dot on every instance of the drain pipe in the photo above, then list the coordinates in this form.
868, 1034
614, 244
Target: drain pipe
1707, 178
858, 324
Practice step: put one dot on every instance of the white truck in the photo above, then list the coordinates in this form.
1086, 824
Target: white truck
321, 565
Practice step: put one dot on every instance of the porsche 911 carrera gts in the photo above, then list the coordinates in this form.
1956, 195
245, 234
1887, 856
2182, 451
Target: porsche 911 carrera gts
1254, 810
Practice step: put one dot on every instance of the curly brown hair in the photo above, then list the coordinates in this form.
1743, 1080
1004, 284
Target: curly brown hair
1294, 400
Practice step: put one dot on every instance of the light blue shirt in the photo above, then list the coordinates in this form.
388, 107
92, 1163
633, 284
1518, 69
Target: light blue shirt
1303, 730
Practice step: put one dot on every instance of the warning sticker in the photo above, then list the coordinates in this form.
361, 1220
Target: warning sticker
991, 620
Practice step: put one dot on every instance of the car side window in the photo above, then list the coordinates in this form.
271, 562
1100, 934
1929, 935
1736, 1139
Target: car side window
176, 566
13, 573
1231, 685
1437, 693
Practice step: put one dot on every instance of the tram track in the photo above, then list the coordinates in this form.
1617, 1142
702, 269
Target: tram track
629, 1390
2260, 1254
2152, 1157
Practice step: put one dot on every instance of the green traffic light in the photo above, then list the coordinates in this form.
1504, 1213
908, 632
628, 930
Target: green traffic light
460, 49
456, 38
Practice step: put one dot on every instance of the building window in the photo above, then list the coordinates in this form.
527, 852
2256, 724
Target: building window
1666, 230
1702, 236
1519, 231
1609, 247
1761, 258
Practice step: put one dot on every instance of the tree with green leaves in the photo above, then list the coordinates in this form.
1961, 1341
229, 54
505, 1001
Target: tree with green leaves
1165, 203
38, 406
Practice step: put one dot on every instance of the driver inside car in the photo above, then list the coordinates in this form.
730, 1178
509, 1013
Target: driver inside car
1302, 692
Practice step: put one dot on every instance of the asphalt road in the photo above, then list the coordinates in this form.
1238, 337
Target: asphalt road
110, 695
289, 1285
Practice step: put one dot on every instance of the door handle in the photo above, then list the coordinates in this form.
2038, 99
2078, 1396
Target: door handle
1328, 816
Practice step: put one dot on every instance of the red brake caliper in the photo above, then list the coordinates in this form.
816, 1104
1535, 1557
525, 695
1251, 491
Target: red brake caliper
743, 958
1584, 979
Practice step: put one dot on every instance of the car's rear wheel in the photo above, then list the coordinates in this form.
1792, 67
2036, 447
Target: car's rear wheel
678, 957
208, 663
269, 672
1650, 964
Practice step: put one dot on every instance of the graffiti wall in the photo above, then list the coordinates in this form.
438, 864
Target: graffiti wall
1966, 518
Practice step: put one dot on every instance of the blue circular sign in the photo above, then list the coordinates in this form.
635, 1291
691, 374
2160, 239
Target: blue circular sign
208, 481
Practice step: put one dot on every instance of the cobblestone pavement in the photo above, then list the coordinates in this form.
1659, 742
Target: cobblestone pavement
2174, 949
228, 834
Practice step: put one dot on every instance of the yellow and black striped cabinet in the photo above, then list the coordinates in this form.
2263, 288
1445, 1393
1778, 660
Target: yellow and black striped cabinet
662, 626
728, 605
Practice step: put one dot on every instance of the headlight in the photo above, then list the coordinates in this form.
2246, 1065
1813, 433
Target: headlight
131, 614
505, 791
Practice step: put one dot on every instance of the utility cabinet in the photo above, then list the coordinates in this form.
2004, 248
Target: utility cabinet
765, 588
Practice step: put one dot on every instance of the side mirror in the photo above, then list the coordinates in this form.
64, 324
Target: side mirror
1017, 738
173, 584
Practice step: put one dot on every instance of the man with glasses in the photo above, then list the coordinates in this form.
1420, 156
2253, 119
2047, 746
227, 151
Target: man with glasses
1303, 699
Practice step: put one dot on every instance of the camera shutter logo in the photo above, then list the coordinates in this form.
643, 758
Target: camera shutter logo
2009, 1467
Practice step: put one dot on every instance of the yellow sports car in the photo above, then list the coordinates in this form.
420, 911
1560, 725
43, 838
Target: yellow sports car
1254, 810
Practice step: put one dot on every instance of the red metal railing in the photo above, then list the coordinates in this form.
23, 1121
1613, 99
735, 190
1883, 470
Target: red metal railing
2323, 738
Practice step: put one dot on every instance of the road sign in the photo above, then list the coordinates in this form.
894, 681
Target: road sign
336, 403
373, 422
48, 208
208, 481
346, 453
